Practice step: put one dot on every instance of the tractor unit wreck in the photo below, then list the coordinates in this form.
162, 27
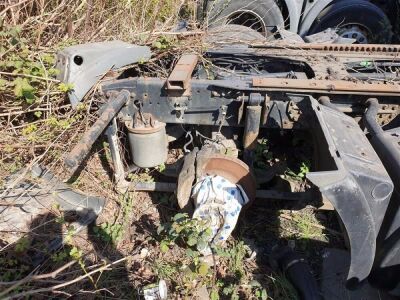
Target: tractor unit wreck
345, 96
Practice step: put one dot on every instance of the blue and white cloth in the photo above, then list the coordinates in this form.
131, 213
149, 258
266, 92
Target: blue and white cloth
218, 202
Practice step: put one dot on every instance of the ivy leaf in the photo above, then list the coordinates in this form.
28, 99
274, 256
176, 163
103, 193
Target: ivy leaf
3, 84
214, 295
65, 87
191, 253
48, 59
192, 241
164, 246
180, 217
264, 295
37, 114
22, 87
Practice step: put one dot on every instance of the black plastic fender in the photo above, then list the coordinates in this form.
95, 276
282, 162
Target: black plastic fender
354, 180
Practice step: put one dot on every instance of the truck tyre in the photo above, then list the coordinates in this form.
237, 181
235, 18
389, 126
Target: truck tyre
260, 15
233, 34
357, 19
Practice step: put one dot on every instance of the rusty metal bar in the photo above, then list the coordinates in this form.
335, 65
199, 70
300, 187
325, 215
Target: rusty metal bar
82, 149
329, 86
168, 187
180, 77
334, 47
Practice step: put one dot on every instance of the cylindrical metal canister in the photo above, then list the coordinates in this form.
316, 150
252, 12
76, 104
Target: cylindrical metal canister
149, 145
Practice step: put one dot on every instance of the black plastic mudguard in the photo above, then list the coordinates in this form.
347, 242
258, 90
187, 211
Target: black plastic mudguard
352, 177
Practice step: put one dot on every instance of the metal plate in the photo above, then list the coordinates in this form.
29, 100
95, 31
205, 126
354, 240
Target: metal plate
233, 170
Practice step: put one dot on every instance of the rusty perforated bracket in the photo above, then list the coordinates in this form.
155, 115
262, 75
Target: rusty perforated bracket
179, 79
366, 48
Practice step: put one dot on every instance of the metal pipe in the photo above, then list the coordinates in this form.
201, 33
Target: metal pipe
326, 101
370, 117
382, 142
166, 187
82, 149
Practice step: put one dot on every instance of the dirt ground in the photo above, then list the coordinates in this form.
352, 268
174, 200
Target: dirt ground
128, 232
139, 238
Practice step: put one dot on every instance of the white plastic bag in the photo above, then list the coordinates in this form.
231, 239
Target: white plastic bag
218, 202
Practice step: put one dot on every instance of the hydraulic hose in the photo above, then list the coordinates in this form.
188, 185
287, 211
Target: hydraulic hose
382, 142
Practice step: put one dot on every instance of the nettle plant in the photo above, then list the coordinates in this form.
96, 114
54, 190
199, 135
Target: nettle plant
25, 74
186, 231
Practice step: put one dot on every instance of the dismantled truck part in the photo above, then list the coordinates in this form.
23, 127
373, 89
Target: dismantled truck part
218, 107
37, 194
82, 66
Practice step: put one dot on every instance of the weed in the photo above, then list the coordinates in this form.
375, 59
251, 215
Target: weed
163, 42
301, 174
60, 256
112, 232
22, 245
165, 269
193, 235
160, 168
65, 87
262, 154
109, 232
144, 176
191, 232
282, 288
70, 233
34, 70
304, 227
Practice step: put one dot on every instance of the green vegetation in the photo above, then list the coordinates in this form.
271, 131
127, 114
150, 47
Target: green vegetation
300, 174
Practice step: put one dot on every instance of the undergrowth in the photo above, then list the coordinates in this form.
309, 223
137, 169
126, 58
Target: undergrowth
37, 124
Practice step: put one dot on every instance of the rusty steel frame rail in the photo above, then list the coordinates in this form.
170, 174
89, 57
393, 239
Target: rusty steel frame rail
179, 79
334, 47
73, 160
326, 86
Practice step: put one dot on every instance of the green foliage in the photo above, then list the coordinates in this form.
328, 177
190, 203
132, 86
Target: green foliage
301, 174
163, 42
112, 232
23, 89
60, 256
165, 269
282, 288
258, 291
160, 168
214, 295
29, 71
76, 253
61, 124
144, 176
262, 154
28, 130
109, 232
234, 256
184, 230
22, 245
70, 233
65, 87
12, 269
191, 234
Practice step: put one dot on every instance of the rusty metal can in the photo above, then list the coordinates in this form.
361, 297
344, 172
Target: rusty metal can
155, 291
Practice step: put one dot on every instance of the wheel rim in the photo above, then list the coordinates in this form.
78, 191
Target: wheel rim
247, 18
355, 31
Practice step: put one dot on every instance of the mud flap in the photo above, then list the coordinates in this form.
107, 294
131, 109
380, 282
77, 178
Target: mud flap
352, 177
39, 193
